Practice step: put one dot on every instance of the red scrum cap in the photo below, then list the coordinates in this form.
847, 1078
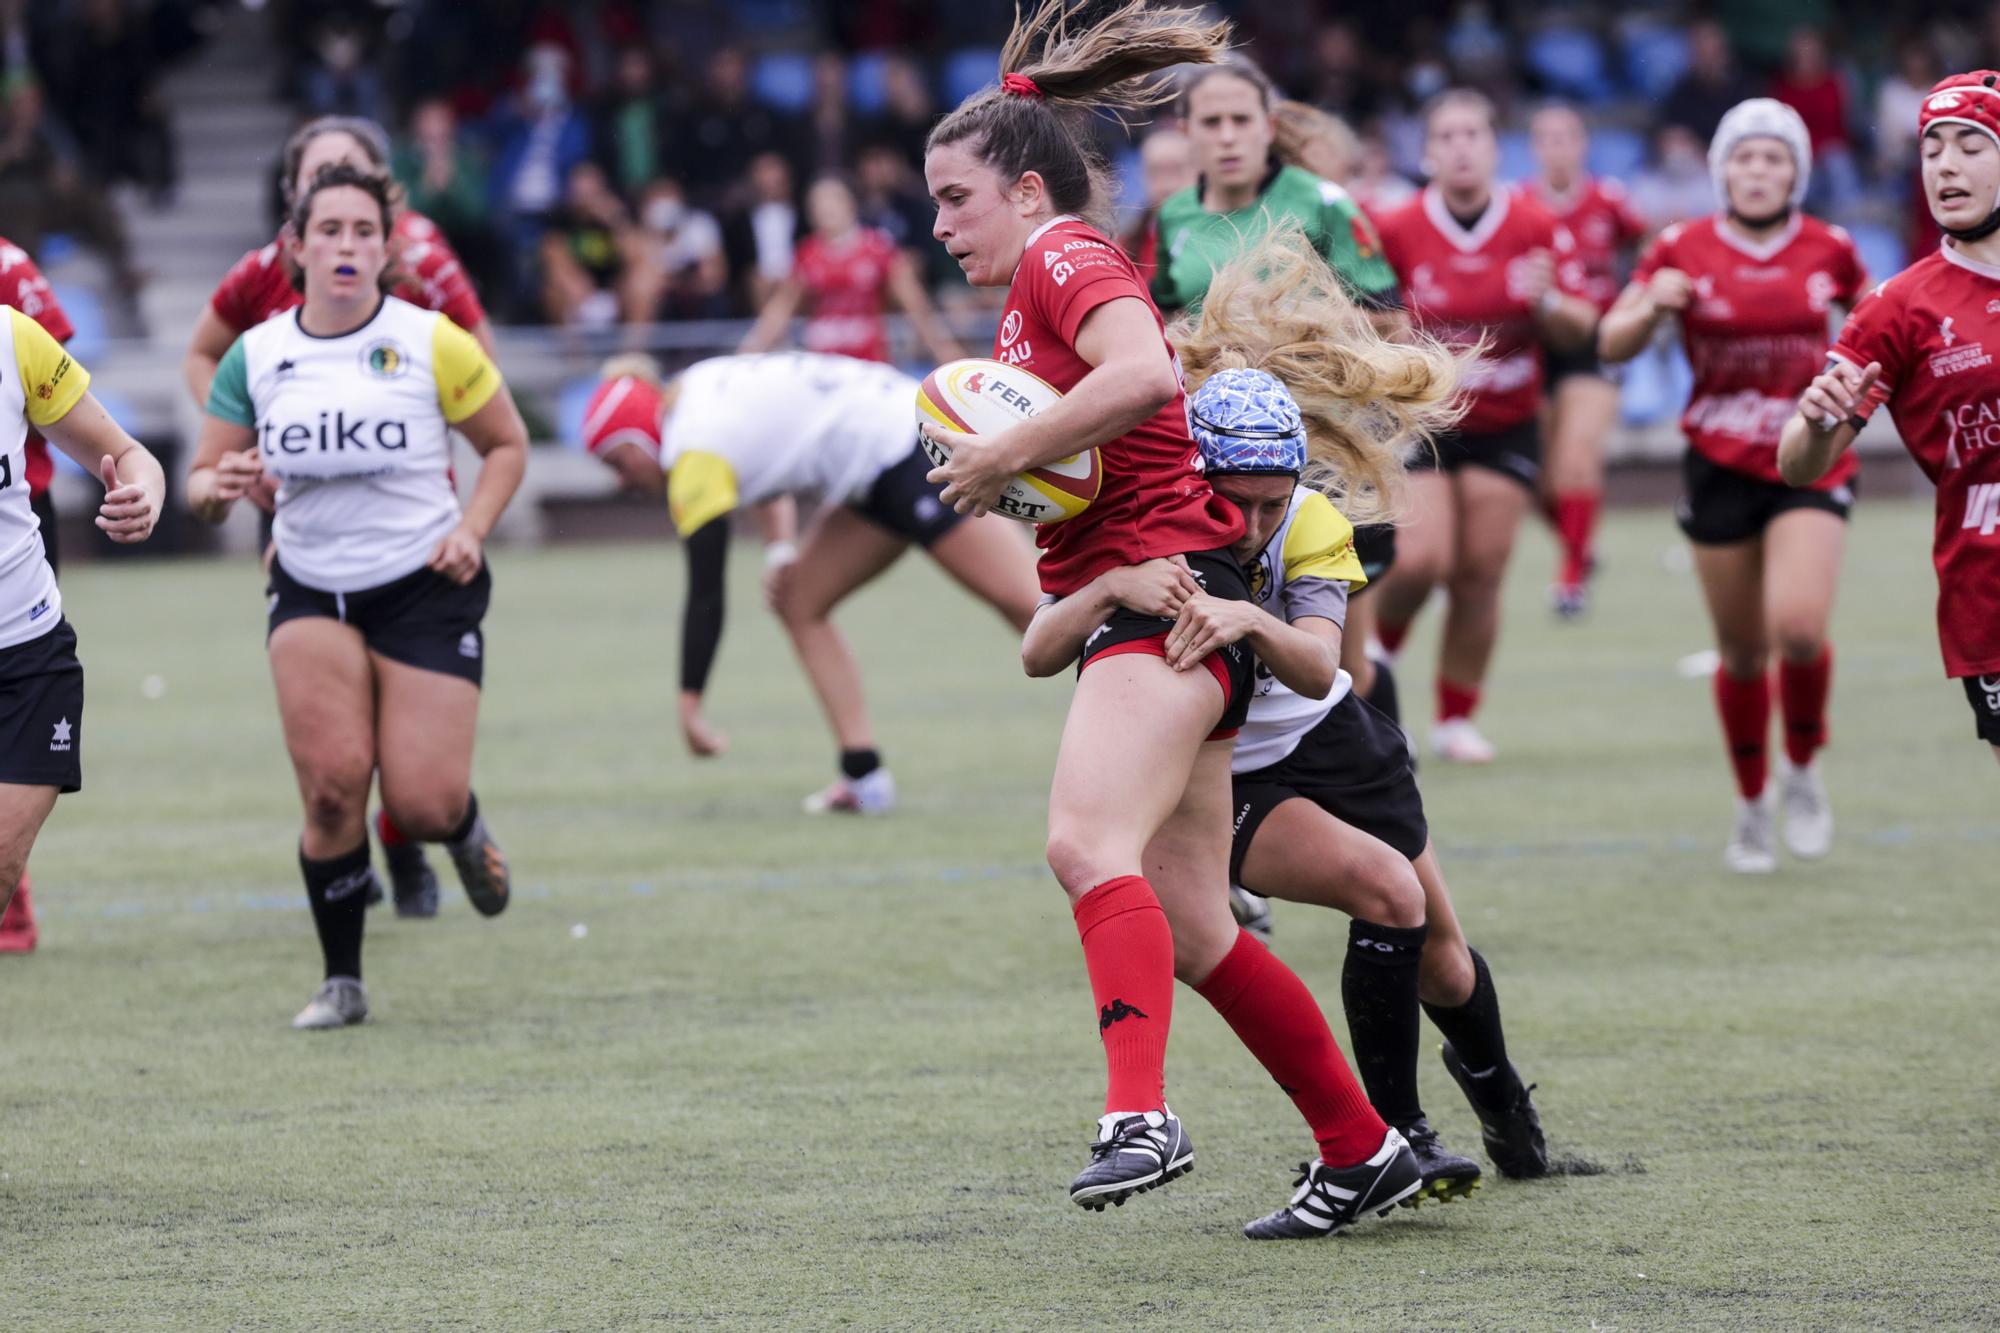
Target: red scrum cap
624, 410
1972, 100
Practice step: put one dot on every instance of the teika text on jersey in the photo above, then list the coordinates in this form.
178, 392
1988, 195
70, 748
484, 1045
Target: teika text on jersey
335, 433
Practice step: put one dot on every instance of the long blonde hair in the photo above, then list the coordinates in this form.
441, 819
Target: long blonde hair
1367, 401
1113, 63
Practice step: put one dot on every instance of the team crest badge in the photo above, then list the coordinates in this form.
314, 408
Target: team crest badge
383, 359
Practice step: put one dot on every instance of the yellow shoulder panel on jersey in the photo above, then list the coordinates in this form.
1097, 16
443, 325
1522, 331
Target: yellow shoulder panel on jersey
1320, 545
51, 379
700, 489
467, 379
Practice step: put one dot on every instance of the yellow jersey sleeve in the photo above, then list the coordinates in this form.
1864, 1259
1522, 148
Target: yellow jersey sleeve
1320, 545
700, 489
51, 379
467, 379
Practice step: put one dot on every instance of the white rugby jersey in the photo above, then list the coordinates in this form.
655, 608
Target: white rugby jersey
39, 383
747, 428
356, 430
1306, 569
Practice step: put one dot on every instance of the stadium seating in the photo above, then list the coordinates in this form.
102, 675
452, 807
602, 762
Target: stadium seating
783, 79
1570, 63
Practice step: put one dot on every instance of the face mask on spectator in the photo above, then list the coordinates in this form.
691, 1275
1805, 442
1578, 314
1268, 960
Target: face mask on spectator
665, 214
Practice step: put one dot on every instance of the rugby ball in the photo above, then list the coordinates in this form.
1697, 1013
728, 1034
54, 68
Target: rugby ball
980, 397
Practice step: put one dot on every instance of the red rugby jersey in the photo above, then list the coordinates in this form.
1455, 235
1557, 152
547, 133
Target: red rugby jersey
1599, 217
23, 287
1464, 283
847, 292
1928, 327
258, 287
1756, 331
1153, 501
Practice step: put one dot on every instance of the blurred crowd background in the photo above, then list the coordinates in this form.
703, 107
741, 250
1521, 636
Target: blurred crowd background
616, 165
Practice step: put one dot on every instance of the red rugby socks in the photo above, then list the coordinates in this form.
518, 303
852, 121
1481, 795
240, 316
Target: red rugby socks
1273, 1013
1745, 706
1576, 526
1802, 691
1391, 635
1456, 701
385, 828
1130, 954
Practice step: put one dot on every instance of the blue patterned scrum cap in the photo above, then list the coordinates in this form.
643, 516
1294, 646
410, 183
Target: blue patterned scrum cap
1246, 421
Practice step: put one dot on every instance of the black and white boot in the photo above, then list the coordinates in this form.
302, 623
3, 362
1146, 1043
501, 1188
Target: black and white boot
1446, 1174
1331, 1199
1134, 1152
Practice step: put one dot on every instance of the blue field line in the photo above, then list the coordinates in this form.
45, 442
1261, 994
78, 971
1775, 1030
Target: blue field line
55, 905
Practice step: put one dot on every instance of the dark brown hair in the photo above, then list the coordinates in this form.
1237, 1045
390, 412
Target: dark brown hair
333, 176
1105, 66
374, 145
1236, 67
1466, 97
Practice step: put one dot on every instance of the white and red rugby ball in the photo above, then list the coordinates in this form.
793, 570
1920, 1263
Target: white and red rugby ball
980, 397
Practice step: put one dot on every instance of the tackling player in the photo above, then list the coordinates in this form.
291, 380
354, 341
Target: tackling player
259, 286
738, 431
1583, 396
379, 584
1917, 344
1754, 287
1481, 266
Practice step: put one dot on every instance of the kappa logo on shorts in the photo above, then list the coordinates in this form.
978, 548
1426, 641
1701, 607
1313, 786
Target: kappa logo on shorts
1990, 687
59, 743
468, 644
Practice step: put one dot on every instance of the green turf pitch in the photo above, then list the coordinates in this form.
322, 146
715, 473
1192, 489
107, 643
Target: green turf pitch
817, 1073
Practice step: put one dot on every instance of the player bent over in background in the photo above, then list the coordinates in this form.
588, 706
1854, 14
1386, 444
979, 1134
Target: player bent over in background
380, 583
1915, 344
747, 430
41, 680
1753, 288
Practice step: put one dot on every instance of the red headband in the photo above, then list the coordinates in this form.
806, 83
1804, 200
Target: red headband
1020, 85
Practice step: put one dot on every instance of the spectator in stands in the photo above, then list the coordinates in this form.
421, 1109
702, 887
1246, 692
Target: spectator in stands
1711, 85
41, 193
1341, 80
1166, 167
1676, 185
690, 270
444, 179
626, 124
831, 135
892, 202
340, 78
762, 231
1810, 85
103, 72
1897, 103
724, 128
907, 110
540, 138
845, 276
597, 268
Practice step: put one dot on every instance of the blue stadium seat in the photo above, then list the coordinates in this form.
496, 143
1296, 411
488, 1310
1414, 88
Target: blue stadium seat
969, 70
1882, 250
1654, 58
783, 79
865, 92
86, 316
1131, 182
1657, 383
1569, 61
1617, 152
571, 400
1517, 159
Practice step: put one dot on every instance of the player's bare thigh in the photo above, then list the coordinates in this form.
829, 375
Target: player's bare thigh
23, 810
425, 725
326, 705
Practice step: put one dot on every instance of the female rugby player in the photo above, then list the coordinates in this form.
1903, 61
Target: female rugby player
846, 275
737, 431
1139, 814
1916, 344
259, 286
1479, 263
41, 681
1754, 287
1583, 393
379, 583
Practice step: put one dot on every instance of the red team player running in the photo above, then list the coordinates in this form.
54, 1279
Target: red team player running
23, 287
259, 287
1754, 287
1918, 344
1478, 261
1583, 396
1139, 809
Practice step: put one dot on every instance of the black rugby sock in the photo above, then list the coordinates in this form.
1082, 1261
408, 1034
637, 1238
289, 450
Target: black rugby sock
1383, 693
1473, 1029
337, 888
858, 764
464, 829
1378, 988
